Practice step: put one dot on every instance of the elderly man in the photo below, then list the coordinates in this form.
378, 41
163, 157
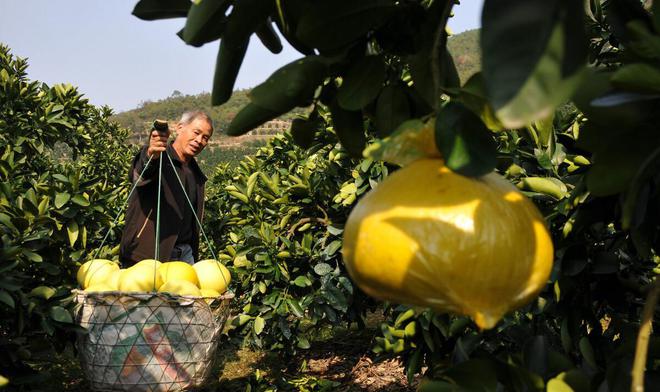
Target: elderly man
179, 232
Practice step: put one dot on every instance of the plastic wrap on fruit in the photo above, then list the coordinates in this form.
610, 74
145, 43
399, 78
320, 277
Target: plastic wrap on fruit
430, 237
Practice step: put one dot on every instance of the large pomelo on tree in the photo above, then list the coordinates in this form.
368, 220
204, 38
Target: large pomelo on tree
428, 236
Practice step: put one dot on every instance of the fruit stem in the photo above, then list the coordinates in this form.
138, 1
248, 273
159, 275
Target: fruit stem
641, 351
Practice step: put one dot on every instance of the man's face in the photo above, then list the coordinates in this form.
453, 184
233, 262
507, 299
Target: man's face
192, 138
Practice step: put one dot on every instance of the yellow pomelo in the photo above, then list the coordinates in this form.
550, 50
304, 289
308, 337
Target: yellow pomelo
180, 287
210, 294
140, 278
95, 271
212, 275
148, 263
114, 278
430, 237
178, 270
100, 287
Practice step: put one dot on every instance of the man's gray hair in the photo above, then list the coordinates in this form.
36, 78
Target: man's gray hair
192, 115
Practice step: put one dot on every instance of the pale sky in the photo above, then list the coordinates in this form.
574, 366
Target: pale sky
118, 60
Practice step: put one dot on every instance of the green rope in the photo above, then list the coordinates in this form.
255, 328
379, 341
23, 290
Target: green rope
157, 250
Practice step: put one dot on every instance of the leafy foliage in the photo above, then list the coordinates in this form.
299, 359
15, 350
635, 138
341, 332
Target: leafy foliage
58, 195
280, 215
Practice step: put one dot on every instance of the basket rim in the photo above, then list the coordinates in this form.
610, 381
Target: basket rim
79, 292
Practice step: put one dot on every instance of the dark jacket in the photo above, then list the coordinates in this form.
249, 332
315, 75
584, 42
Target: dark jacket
139, 235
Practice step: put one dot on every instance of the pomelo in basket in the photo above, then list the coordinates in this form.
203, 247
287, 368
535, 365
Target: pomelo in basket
428, 236
115, 277
142, 278
212, 275
94, 271
99, 287
178, 270
148, 263
210, 295
180, 287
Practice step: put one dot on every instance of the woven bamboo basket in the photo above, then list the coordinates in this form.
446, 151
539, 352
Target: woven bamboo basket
148, 341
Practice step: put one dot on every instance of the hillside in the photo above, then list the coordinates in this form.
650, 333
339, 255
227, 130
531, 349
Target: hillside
464, 48
140, 119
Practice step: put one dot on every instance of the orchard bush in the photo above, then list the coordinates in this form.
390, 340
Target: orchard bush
279, 216
59, 193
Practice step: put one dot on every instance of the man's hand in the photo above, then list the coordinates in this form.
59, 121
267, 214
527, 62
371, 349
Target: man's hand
157, 143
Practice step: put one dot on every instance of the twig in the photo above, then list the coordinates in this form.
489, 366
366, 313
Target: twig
440, 42
639, 366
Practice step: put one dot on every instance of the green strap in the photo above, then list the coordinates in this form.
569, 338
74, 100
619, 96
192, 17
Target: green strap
160, 182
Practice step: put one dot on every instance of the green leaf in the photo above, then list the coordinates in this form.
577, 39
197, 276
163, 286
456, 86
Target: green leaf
303, 132
61, 315
427, 385
362, 83
632, 202
3, 381
421, 70
587, 352
617, 162
33, 257
303, 343
44, 292
392, 109
72, 231
349, 128
61, 199
259, 324
292, 85
205, 22
226, 70
542, 65
295, 307
403, 317
545, 185
332, 248
643, 78
162, 9
302, 281
464, 373
80, 200
7, 299
330, 25
61, 178
250, 117
246, 15
269, 37
464, 141
323, 269
535, 355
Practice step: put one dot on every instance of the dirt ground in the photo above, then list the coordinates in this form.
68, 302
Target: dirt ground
346, 361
